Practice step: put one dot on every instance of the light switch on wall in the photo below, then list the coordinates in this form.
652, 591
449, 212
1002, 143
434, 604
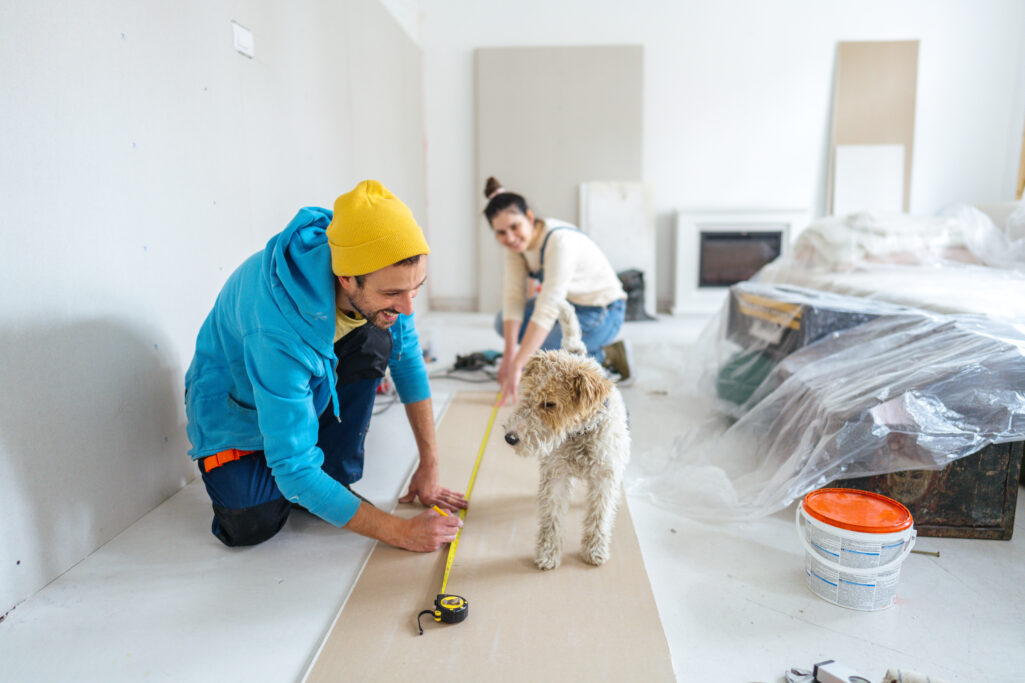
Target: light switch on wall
243, 39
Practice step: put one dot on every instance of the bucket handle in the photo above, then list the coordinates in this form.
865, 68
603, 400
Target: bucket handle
836, 566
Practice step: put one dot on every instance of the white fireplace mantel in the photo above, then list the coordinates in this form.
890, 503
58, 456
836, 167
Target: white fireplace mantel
689, 297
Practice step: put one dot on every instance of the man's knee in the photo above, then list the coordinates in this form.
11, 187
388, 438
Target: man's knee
252, 525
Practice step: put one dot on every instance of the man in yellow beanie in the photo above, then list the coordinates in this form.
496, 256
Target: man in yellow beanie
281, 389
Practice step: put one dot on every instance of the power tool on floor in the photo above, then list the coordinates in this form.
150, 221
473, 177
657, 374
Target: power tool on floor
476, 360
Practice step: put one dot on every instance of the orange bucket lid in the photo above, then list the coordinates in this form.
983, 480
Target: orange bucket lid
856, 510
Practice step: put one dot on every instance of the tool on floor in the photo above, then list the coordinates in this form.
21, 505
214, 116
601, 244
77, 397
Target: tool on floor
829, 671
933, 553
449, 608
476, 360
477, 367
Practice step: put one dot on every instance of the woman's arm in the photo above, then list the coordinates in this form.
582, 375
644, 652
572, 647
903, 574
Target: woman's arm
532, 340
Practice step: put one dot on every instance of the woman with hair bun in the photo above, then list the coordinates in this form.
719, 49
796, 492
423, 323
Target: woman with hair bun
570, 266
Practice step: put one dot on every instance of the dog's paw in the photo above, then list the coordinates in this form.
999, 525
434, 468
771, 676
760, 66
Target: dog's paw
596, 553
548, 548
547, 560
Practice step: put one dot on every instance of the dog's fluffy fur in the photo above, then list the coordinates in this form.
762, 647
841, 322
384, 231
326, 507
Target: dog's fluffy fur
573, 419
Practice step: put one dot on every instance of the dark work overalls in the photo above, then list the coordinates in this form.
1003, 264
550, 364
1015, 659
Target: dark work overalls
248, 507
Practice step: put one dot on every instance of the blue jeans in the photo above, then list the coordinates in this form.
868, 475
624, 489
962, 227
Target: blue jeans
599, 325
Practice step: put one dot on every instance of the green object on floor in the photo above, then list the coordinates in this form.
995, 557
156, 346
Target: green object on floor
741, 374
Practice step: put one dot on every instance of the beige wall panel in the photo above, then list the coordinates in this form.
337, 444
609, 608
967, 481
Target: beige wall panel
549, 119
874, 99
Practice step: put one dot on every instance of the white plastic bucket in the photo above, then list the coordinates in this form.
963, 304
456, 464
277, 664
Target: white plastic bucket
854, 546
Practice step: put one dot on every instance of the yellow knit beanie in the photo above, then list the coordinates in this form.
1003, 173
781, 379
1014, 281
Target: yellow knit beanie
372, 229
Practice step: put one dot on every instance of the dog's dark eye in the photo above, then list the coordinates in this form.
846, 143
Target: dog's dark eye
547, 405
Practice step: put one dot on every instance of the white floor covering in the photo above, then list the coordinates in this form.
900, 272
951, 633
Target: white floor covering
165, 600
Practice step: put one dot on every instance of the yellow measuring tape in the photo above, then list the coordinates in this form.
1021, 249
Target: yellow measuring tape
451, 609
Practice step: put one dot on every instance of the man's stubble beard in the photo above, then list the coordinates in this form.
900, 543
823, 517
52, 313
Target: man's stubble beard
373, 318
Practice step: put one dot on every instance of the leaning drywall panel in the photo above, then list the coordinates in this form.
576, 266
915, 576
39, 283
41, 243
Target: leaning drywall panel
874, 101
620, 218
546, 123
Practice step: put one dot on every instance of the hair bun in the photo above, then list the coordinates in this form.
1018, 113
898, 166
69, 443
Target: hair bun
490, 186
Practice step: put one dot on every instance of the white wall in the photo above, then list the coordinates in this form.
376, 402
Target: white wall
737, 101
141, 159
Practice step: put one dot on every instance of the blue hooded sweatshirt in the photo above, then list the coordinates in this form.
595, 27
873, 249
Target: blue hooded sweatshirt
264, 368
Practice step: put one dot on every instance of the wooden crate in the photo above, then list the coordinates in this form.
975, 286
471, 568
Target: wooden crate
973, 497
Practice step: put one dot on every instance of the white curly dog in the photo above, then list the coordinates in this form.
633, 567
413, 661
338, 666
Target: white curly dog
573, 419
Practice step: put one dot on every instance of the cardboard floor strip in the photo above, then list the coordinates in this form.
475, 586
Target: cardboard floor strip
574, 623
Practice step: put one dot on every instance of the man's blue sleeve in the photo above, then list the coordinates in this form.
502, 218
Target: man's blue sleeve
406, 363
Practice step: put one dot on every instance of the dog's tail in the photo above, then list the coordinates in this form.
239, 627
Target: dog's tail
571, 337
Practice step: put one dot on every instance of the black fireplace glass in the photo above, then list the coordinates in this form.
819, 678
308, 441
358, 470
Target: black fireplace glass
727, 258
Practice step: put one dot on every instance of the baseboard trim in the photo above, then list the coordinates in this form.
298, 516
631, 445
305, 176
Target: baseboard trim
460, 304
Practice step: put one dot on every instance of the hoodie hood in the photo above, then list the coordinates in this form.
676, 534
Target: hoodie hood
297, 265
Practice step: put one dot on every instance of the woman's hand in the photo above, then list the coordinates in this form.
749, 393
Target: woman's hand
510, 383
504, 366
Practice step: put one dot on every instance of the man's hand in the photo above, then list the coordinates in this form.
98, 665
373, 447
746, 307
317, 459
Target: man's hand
428, 531
424, 485
424, 533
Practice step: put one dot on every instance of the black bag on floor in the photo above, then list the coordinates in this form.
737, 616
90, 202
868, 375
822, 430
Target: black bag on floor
633, 283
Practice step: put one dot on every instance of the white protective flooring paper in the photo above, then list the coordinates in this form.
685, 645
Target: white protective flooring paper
165, 600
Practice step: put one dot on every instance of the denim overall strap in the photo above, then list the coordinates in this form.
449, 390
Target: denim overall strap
539, 274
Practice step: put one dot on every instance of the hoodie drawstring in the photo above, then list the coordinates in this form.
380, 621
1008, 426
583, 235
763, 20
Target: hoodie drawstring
334, 390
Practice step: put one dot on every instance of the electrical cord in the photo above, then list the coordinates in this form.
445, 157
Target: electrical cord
452, 374
477, 362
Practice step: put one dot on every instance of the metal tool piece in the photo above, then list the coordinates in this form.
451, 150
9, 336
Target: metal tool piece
798, 675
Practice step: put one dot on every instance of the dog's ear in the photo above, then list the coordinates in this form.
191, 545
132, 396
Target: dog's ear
591, 388
531, 364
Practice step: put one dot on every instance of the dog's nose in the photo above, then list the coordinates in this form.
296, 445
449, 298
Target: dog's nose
512, 439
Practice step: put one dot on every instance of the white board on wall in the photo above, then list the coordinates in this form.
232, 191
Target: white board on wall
868, 178
620, 218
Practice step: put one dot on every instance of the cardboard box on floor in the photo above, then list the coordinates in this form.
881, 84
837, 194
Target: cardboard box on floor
574, 623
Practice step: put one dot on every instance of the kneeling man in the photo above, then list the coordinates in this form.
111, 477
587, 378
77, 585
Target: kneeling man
281, 389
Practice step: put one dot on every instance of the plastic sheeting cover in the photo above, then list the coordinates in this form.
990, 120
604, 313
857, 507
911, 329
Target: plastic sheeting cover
897, 389
956, 262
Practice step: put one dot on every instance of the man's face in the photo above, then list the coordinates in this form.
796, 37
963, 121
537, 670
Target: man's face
385, 293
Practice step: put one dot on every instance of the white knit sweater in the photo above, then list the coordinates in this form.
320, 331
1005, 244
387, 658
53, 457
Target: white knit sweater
575, 269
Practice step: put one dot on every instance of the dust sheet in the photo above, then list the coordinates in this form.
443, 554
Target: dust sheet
574, 623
